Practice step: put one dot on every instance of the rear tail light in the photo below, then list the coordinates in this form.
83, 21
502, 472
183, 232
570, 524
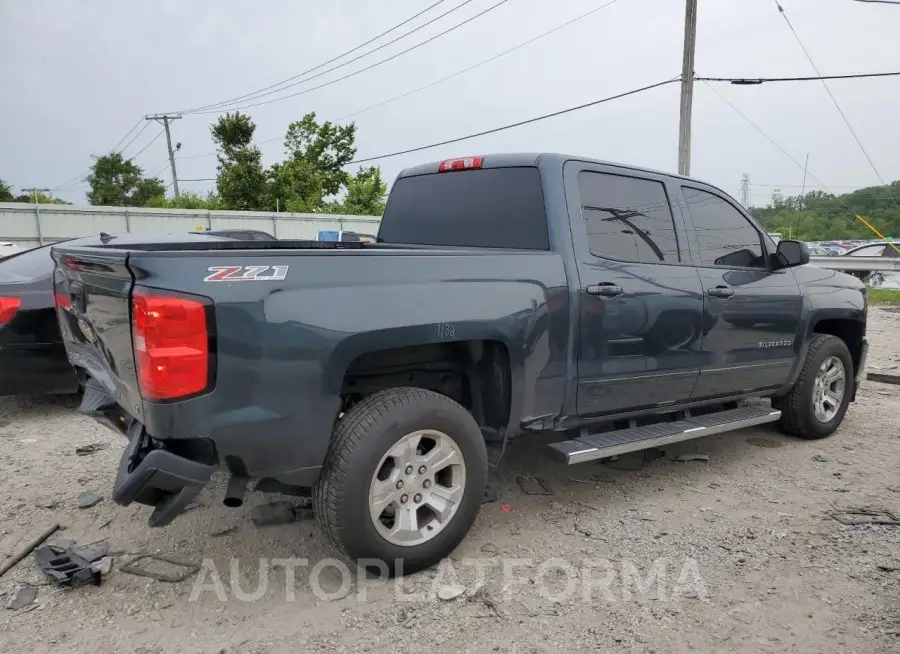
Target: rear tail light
62, 300
463, 163
171, 345
9, 306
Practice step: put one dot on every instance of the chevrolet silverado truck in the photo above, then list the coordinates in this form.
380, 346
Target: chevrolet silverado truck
605, 308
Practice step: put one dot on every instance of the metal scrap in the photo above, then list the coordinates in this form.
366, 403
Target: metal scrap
28, 548
186, 568
883, 377
533, 485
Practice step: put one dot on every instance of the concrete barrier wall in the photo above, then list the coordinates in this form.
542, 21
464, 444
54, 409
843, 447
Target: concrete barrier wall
30, 225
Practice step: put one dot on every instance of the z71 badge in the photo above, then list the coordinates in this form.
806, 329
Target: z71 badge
246, 273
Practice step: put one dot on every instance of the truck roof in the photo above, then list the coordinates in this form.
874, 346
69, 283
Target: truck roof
511, 159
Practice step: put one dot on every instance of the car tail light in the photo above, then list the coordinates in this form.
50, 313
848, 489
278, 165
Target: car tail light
9, 306
62, 300
171, 345
463, 163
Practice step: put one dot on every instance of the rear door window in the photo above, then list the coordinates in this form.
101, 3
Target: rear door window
627, 218
489, 207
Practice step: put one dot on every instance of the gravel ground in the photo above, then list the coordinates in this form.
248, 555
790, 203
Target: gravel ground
740, 553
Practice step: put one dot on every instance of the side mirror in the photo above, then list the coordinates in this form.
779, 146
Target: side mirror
791, 253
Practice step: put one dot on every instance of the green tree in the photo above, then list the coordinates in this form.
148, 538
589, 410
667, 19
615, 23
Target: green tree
6, 194
326, 147
821, 216
188, 200
241, 180
117, 182
295, 185
365, 194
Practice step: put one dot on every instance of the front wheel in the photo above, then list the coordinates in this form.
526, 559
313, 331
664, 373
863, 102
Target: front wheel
403, 480
815, 406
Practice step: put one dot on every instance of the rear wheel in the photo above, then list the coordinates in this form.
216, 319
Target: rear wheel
815, 406
403, 480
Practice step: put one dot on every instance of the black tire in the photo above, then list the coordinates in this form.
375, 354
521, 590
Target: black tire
797, 414
360, 440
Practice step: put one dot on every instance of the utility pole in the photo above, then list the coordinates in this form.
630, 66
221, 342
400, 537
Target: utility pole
803, 188
745, 190
687, 87
164, 120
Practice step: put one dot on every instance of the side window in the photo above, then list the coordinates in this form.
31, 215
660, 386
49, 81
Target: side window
871, 251
725, 236
627, 218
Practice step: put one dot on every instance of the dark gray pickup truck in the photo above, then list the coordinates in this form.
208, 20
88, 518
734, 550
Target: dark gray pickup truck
609, 308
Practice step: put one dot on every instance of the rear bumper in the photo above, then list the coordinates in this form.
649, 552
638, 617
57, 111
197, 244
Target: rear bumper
148, 473
158, 478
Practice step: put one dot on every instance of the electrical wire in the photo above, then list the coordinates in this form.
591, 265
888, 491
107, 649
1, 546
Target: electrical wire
482, 63
836, 104
779, 147
765, 80
520, 123
273, 88
133, 138
152, 141
496, 5
122, 140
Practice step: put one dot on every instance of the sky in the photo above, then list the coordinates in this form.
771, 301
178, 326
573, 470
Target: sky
79, 75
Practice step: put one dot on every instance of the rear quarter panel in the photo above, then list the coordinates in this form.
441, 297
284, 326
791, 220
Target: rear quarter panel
283, 346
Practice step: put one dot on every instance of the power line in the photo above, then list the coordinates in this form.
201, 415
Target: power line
152, 141
482, 63
122, 140
357, 72
834, 100
261, 92
133, 138
765, 80
518, 124
779, 147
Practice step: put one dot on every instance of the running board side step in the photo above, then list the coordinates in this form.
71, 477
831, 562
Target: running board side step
589, 447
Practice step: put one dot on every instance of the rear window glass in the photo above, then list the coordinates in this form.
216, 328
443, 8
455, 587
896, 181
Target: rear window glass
493, 208
30, 264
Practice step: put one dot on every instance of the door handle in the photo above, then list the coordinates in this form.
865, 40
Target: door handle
720, 291
604, 290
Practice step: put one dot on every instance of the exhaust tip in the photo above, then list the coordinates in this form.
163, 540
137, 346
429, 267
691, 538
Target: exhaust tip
234, 494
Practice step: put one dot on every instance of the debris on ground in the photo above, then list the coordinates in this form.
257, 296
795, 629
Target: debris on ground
758, 441
222, 531
533, 486
88, 499
65, 566
481, 595
490, 495
28, 548
883, 377
47, 504
854, 517
684, 458
450, 592
820, 458
173, 570
93, 448
24, 596
278, 513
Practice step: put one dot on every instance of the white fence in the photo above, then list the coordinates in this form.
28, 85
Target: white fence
29, 225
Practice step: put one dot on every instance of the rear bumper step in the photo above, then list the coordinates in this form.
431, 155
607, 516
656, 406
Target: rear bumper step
158, 478
589, 447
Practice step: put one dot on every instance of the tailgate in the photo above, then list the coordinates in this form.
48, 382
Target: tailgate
93, 288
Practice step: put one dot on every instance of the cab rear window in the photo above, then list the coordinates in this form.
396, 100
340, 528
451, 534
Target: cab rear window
488, 207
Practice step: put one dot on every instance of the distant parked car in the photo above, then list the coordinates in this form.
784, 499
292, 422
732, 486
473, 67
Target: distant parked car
33, 360
7, 249
876, 249
240, 234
